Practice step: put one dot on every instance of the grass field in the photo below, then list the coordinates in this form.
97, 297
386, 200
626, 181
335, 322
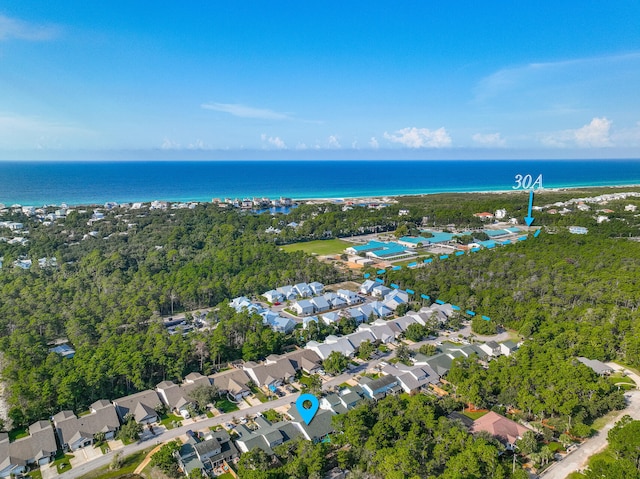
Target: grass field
129, 465
474, 415
319, 247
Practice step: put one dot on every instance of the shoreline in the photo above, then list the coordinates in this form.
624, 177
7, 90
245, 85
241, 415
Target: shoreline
333, 199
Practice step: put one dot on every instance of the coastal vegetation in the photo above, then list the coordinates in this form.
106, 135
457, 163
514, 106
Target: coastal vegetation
568, 295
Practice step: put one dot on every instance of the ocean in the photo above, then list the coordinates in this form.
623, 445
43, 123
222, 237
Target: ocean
74, 183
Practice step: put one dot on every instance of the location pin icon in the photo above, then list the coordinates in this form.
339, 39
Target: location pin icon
307, 414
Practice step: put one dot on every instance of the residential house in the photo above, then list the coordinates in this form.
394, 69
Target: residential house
412, 378
380, 291
301, 359
491, 348
321, 304
359, 337
280, 324
307, 320
367, 287
304, 307
379, 388
177, 398
266, 435
381, 332
77, 432
316, 288
271, 374
380, 310
288, 292
334, 300
598, 367
356, 314
349, 296
303, 290
141, 405
508, 348
274, 296
331, 343
216, 449
38, 448
319, 427
500, 427
330, 318
233, 383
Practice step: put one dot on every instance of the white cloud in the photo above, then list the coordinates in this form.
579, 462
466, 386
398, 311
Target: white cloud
547, 76
420, 137
596, 134
489, 139
274, 141
373, 143
197, 145
333, 142
243, 111
168, 144
18, 29
301, 146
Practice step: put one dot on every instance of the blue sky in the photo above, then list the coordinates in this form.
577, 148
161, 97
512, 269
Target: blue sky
314, 79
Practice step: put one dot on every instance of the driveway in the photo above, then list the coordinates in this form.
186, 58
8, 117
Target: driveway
577, 460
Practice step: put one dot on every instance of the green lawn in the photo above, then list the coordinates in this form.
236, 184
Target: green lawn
168, 420
226, 406
226, 475
62, 463
18, 433
474, 415
35, 474
272, 416
320, 247
259, 394
600, 422
129, 465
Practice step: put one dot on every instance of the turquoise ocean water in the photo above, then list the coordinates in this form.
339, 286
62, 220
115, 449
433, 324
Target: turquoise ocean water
39, 183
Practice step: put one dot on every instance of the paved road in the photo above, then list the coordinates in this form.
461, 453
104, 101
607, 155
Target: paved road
577, 460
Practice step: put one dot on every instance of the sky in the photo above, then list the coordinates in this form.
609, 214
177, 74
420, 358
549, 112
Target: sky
310, 79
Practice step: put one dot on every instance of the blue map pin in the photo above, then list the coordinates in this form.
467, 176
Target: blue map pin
307, 414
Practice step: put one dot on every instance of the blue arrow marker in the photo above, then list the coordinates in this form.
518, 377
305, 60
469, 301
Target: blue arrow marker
428, 260
366, 275
535, 235
397, 268
486, 318
470, 313
454, 307
444, 256
459, 253
425, 296
529, 219
381, 271
379, 280
475, 250
506, 242
394, 286
307, 414
410, 291
522, 238
439, 301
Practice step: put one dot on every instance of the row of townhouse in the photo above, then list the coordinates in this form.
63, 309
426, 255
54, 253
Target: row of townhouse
281, 369
277, 322
291, 293
385, 331
36, 449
